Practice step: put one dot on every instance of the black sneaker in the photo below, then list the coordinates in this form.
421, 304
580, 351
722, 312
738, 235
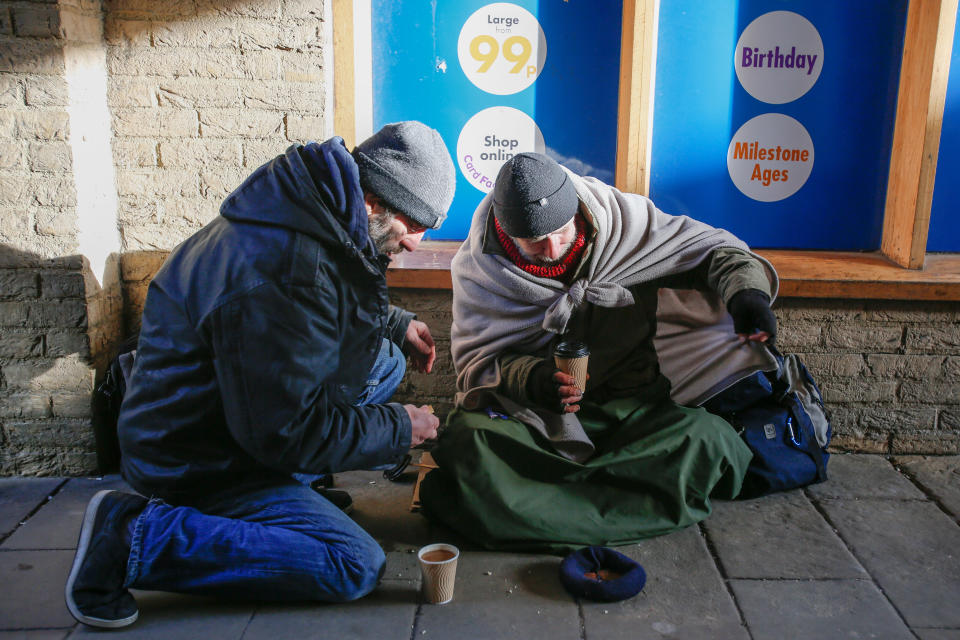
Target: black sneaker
95, 593
341, 499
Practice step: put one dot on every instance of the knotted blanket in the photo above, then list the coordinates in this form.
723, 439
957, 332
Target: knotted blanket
497, 306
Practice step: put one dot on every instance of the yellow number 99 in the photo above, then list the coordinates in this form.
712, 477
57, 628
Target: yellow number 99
522, 57
488, 57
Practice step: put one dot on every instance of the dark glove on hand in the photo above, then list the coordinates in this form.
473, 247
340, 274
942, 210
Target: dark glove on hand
751, 313
542, 388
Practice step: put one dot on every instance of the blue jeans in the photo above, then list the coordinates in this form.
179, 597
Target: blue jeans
273, 538
385, 376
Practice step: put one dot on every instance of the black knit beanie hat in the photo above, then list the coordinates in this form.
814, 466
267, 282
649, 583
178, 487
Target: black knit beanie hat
533, 196
408, 165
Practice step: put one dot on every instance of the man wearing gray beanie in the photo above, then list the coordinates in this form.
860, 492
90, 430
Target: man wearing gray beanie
556, 265
267, 358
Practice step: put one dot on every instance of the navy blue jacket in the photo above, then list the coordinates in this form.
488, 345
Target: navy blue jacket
258, 333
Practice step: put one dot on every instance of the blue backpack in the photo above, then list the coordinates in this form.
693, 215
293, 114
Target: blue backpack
780, 416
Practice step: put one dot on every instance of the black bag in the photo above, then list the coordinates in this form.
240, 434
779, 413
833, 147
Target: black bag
107, 398
781, 417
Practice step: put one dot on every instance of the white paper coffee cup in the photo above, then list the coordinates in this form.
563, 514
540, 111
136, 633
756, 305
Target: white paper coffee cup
438, 565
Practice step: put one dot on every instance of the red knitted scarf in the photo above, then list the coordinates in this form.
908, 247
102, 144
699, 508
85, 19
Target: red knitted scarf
557, 271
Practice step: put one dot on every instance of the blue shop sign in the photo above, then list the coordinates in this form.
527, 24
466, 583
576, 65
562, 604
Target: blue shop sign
774, 119
944, 218
497, 79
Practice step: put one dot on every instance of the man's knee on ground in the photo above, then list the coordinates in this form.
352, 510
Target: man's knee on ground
360, 565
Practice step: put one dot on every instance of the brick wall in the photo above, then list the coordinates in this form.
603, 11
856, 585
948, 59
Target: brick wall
889, 371
199, 93
202, 92
46, 375
36, 190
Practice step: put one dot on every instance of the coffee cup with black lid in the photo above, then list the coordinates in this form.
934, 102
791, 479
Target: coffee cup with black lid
571, 357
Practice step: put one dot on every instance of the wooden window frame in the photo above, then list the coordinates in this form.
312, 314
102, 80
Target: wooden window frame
901, 269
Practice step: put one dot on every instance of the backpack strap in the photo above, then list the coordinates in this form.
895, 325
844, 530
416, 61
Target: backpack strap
808, 441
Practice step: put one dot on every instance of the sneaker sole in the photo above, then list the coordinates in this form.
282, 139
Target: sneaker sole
83, 543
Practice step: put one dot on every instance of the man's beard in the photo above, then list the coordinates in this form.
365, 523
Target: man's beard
544, 262
384, 236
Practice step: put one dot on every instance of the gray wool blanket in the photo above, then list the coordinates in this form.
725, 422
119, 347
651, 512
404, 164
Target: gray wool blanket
497, 306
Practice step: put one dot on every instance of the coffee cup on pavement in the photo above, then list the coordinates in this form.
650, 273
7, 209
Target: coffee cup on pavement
438, 565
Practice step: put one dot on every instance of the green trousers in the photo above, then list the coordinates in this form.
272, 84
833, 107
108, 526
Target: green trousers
655, 469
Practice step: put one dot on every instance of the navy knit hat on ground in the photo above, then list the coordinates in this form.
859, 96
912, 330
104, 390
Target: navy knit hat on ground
533, 196
600, 573
407, 165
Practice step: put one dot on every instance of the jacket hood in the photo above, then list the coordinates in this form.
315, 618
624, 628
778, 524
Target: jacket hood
313, 189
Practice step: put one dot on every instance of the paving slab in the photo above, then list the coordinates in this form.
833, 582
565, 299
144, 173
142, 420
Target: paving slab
440, 532
939, 475
382, 508
804, 609
854, 475
20, 496
39, 577
684, 596
501, 595
761, 538
403, 566
57, 524
164, 616
905, 541
937, 634
386, 614
911, 548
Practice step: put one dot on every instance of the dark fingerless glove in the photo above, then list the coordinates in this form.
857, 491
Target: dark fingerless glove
751, 313
542, 389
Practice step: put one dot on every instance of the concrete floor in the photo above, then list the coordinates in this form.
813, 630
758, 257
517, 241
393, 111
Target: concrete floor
872, 553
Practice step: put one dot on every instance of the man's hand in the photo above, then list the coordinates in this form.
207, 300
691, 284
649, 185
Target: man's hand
423, 424
752, 318
419, 346
568, 392
554, 390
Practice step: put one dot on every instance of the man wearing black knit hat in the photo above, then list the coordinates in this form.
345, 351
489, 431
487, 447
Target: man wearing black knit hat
672, 310
269, 350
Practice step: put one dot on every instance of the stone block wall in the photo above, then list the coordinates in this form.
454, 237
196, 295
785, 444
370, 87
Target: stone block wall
437, 387
201, 93
46, 353
196, 94
889, 371
46, 375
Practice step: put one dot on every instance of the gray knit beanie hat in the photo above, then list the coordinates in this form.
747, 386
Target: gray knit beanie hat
533, 196
408, 165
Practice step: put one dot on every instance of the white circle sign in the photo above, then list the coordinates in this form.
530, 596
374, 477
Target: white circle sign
502, 48
779, 57
770, 157
492, 137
